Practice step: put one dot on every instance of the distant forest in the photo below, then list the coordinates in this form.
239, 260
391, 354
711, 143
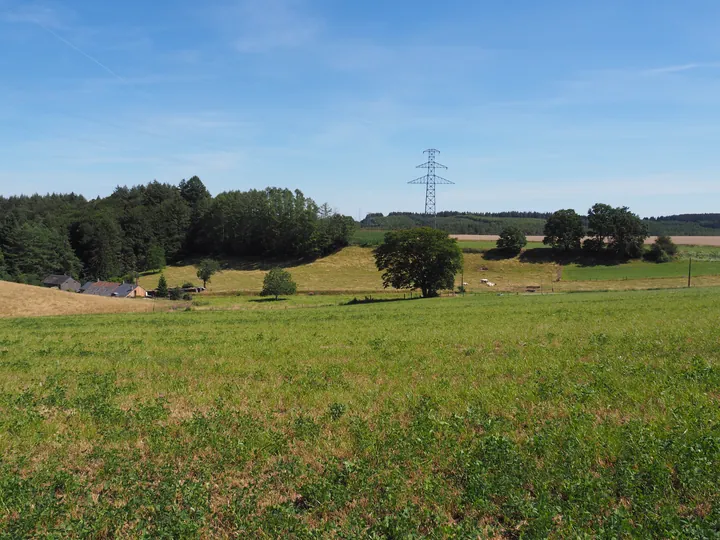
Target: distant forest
143, 227
532, 223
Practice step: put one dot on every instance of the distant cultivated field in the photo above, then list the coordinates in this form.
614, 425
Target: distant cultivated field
18, 300
561, 416
679, 240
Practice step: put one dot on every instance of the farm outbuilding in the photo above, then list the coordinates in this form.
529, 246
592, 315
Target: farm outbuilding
117, 290
129, 290
64, 283
99, 288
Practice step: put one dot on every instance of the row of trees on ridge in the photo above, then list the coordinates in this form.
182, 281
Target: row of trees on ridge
144, 227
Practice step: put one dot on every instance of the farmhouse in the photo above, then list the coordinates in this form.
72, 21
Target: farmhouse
64, 283
129, 290
117, 290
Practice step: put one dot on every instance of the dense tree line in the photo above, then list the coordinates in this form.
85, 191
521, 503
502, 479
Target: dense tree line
459, 223
532, 223
614, 231
142, 227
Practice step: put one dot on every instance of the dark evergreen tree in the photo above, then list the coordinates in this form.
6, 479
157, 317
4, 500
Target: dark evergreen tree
162, 287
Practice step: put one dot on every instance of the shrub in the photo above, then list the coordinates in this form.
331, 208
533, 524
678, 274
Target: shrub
188, 285
175, 294
667, 245
657, 254
662, 256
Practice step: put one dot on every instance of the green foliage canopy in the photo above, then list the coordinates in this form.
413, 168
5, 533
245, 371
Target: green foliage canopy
616, 229
564, 230
512, 240
207, 269
422, 258
278, 282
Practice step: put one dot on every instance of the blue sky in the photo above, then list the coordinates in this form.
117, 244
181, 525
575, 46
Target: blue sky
534, 105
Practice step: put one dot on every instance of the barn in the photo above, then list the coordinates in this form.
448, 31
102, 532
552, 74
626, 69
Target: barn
64, 283
129, 290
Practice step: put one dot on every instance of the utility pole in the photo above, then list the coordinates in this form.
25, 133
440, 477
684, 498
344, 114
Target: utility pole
689, 272
430, 180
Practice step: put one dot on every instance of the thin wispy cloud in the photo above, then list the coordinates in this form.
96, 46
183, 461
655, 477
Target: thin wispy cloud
31, 12
680, 68
273, 24
81, 52
50, 20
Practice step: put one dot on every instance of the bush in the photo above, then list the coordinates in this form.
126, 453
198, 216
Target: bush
188, 285
187, 296
175, 294
657, 254
662, 256
512, 240
667, 245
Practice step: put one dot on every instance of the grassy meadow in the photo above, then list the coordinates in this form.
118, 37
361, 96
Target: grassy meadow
353, 271
561, 415
640, 270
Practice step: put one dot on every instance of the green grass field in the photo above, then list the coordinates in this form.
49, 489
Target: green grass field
353, 271
640, 270
368, 237
575, 415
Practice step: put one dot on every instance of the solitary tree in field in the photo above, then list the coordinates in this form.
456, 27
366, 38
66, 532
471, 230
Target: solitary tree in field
511, 240
162, 288
423, 258
207, 269
564, 230
278, 282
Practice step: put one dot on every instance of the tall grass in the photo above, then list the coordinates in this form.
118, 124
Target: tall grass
566, 416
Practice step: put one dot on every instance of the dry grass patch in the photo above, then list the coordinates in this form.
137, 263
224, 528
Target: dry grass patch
17, 300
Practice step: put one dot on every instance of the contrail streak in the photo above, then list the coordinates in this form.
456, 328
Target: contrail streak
79, 50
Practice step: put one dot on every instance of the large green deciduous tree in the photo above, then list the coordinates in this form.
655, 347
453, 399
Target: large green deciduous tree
616, 229
564, 230
629, 234
423, 258
278, 282
511, 240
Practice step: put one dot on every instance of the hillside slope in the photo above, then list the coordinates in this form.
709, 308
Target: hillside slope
17, 300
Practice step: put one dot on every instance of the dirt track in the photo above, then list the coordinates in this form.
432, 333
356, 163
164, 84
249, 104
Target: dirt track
680, 240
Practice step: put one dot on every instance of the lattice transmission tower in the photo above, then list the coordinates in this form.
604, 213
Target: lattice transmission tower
431, 180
